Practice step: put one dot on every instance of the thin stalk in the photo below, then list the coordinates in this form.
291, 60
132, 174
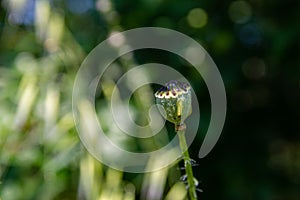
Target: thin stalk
187, 163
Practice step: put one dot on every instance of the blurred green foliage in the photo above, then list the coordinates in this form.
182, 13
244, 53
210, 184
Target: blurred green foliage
254, 43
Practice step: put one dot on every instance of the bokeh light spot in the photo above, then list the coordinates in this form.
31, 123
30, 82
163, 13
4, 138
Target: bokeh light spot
103, 5
250, 35
197, 18
222, 42
193, 54
117, 40
240, 11
254, 68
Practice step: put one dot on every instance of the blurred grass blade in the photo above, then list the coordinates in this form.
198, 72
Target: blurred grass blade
177, 192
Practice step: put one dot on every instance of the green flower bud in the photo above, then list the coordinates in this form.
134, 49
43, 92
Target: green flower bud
175, 98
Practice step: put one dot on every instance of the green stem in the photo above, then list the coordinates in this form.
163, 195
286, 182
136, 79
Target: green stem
187, 164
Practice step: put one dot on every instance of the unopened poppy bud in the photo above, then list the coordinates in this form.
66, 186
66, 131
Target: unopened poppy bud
175, 98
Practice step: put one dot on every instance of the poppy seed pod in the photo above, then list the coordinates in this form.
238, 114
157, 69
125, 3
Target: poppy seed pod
175, 98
